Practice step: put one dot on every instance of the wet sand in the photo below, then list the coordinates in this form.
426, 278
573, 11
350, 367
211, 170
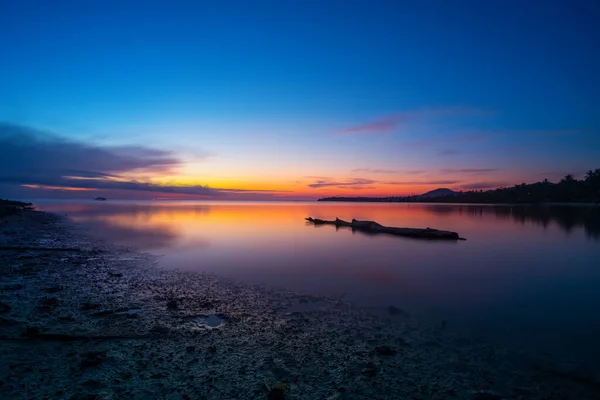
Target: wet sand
81, 319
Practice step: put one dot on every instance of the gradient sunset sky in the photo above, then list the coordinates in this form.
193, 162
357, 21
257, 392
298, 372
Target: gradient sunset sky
294, 99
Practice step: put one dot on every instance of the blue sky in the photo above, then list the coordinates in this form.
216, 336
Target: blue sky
261, 94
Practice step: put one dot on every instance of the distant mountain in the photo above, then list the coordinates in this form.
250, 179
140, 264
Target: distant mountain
437, 193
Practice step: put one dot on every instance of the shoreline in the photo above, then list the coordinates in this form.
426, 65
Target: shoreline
103, 322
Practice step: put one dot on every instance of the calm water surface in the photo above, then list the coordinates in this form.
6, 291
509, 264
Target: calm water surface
526, 276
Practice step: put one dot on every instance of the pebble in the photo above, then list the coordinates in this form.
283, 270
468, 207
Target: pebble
172, 305
385, 351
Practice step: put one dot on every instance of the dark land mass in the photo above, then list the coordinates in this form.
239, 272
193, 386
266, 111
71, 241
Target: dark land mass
11, 207
95, 321
568, 190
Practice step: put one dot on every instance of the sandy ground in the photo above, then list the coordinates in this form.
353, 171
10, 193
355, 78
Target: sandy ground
85, 320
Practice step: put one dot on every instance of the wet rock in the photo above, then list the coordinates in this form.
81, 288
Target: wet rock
462, 341
397, 312
4, 308
8, 322
93, 384
11, 287
385, 351
53, 289
486, 396
172, 305
369, 369
276, 394
432, 344
32, 331
90, 306
158, 329
206, 322
86, 396
100, 314
522, 391
49, 301
92, 358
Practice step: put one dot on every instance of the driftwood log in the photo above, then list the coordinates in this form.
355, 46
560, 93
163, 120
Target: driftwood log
374, 227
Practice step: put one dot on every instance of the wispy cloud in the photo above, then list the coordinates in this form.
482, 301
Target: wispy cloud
392, 122
390, 171
449, 137
469, 170
448, 152
341, 184
376, 171
483, 185
555, 132
360, 183
381, 125
416, 183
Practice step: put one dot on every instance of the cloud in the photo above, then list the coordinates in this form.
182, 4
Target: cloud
483, 185
433, 182
382, 125
41, 160
360, 184
388, 171
555, 132
447, 152
376, 171
391, 122
341, 184
469, 170
27, 150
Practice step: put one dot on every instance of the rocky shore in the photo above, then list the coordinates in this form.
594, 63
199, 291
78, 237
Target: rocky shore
81, 319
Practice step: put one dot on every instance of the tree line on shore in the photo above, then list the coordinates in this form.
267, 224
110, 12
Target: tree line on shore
568, 190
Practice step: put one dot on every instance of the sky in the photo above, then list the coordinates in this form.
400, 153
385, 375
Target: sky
294, 100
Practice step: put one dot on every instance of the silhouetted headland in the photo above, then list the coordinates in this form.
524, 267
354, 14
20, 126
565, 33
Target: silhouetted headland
9, 207
568, 190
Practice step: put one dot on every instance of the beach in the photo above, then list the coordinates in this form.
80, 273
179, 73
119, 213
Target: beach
84, 319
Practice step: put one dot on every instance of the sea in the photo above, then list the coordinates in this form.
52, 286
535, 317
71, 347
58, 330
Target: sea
527, 277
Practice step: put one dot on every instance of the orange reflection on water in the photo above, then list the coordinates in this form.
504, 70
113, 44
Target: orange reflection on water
273, 242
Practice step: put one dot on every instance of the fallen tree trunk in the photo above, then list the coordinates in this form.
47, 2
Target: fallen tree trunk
374, 227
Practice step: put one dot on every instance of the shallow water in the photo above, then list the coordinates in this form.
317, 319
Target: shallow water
526, 276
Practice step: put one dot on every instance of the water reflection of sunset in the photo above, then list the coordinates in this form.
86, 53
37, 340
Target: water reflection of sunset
514, 259
271, 240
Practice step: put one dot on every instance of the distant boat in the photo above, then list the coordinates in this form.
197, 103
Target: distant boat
100, 198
